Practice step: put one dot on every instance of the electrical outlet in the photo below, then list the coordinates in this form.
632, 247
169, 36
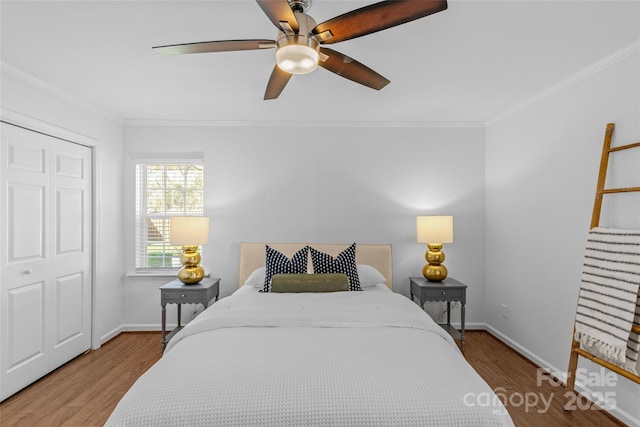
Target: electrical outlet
505, 311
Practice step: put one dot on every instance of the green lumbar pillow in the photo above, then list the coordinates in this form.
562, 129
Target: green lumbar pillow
295, 283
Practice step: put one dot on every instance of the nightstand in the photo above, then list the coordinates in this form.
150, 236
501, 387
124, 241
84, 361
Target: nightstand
447, 290
176, 292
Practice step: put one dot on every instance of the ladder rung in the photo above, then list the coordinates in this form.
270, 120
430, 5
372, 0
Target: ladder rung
619, 190
608, 365
624, 147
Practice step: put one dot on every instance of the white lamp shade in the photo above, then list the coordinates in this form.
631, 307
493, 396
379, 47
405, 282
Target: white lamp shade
434, 229
189, 230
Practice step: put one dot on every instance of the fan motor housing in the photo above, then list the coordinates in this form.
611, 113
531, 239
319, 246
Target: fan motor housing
304, 38
298, 40
305, 24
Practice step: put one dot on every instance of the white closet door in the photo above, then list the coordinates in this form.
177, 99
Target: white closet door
25, 267
45, 294
70, 272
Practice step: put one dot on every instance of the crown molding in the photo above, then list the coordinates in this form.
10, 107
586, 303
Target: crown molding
305, 124
57, 92
615, 57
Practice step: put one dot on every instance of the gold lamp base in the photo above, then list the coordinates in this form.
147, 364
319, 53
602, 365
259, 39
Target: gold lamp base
434, 271
191, 273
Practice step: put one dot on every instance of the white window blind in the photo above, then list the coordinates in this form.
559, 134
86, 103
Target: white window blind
164, 190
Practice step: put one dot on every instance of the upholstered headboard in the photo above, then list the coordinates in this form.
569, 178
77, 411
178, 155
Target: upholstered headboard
252, 256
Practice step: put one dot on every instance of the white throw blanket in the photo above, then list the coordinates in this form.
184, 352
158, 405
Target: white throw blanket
609, 302
337, 359
326, 310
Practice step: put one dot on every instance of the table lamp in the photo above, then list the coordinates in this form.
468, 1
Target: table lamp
189, 232
434, 231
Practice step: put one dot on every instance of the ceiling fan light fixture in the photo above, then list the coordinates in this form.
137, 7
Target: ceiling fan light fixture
297, 59
297, 54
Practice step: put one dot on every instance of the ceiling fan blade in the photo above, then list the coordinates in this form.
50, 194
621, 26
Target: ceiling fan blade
215, 46
376, 17
351, 69
277, 82
279, 11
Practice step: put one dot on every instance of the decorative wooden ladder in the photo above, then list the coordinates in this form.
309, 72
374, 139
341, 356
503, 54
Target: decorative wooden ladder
595, 220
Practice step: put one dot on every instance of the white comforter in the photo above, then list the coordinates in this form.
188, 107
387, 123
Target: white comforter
333, 359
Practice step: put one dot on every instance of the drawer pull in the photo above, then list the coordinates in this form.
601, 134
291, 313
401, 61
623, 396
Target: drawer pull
28, 271
444, 293
182, 296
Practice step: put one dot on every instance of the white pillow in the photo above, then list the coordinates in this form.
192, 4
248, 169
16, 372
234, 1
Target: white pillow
256, 279
369, 276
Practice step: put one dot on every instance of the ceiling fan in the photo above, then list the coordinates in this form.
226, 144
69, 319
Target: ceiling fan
298, 41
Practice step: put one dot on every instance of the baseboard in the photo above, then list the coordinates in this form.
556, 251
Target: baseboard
146, 327
110, 335
470, 326
617, 413
524, 351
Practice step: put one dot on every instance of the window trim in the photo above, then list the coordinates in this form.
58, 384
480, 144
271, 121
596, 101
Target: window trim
140, 209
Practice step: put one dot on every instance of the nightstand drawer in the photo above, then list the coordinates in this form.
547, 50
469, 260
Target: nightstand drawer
442, 294
182, 297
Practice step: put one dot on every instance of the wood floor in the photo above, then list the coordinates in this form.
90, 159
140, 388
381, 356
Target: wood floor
515, 379
84, 391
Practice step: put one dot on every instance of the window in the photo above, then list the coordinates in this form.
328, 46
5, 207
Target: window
164, 190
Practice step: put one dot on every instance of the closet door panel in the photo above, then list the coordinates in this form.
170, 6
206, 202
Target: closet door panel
27, 337
26, 353
26, 222
25, 152
69, 308
69, 223
71, 249
24, 290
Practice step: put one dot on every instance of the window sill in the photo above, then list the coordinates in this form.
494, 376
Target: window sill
165, 275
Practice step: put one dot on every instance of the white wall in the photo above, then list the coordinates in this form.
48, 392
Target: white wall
323, 184
537, 167
541, 169
24, 96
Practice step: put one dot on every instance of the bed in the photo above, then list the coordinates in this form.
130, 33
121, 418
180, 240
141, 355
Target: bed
366, 358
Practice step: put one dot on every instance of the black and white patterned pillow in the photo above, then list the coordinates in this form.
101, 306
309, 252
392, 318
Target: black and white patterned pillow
278, 263
345, 263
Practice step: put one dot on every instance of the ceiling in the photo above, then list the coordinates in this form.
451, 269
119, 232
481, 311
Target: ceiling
469, 63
